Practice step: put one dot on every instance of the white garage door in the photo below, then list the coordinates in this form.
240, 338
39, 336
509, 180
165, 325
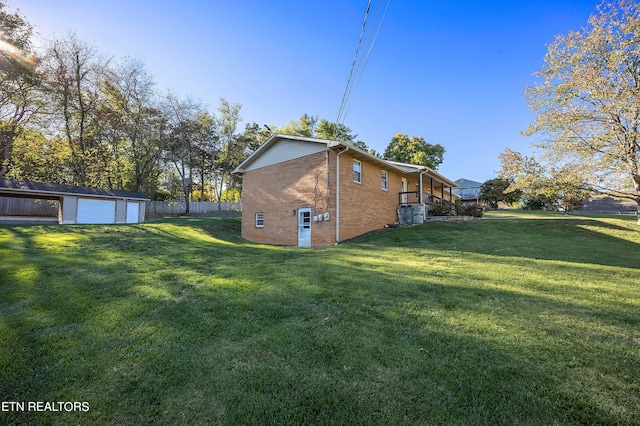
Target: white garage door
133, 210
96, 211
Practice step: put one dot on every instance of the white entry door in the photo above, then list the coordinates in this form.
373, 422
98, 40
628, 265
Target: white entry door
133, 212
304, 227
404, 191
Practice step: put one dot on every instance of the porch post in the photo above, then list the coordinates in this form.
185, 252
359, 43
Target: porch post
420, 187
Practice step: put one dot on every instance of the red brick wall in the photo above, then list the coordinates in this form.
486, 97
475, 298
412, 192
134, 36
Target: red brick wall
279, 191
366, 206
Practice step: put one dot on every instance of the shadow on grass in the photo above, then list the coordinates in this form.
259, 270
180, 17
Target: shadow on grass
149, 325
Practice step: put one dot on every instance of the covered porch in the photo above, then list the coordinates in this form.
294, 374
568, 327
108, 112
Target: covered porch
433, 195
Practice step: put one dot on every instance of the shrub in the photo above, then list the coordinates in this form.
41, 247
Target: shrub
474, 209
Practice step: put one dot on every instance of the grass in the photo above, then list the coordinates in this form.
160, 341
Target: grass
514, 319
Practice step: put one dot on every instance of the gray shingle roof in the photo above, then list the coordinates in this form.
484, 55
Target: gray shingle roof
23, 186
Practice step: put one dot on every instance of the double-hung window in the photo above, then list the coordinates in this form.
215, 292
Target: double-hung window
385, 181
357, 171
259, 220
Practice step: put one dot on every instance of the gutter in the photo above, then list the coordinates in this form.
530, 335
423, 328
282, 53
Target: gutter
338, 194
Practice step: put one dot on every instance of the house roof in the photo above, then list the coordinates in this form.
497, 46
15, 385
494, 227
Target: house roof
23, 187
411, 168
468, 184
353, 150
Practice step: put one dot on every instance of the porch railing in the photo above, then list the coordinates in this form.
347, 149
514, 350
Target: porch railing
410, 197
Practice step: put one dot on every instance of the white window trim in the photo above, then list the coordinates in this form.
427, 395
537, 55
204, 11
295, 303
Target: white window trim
384, 176
260, 218
359, 163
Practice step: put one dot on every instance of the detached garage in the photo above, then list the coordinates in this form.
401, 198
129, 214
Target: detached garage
81, 204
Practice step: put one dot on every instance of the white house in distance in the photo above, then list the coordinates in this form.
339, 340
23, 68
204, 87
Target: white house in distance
467, 190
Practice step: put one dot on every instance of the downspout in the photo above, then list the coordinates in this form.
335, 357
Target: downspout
326, 199
338, 194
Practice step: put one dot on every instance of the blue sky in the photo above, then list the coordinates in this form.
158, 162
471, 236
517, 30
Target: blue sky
452, 72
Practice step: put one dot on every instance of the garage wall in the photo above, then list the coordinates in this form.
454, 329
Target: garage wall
69, 209
101, 211
121, 211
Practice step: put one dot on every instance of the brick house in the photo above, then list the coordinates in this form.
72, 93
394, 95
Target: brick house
314, 192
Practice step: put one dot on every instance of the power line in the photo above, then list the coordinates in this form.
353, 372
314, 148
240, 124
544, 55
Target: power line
364, 63
360, 61
353, 64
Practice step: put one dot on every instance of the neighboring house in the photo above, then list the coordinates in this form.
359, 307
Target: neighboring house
313, 192
609, 205
467, 190
77, 204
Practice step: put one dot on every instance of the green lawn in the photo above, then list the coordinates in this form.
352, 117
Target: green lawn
513, 319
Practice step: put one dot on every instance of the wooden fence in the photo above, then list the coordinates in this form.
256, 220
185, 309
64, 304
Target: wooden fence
196, 208
10, 206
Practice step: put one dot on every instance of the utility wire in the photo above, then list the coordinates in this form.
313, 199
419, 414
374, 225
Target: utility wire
360, 61
353, 64
364, 63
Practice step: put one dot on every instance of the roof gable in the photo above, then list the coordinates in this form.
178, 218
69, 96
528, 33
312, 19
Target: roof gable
278, 151
280, 148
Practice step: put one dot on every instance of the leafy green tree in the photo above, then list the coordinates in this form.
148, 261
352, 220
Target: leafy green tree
335, 131
39, 159
312, 126
414, 150
131, 125
587, 103
305, 126
19, 82
232, 146
541, 187
74, 71
180, 140
494, 191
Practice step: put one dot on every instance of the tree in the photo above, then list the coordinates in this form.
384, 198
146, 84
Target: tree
181, 138
39, 159
494, 191
19, 81
232, 150
74, 72
414, 150
541, 187
565, 188
312, 126
132, 125
306, 126
588, 103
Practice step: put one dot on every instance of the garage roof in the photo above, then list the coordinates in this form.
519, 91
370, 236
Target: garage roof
27, 188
